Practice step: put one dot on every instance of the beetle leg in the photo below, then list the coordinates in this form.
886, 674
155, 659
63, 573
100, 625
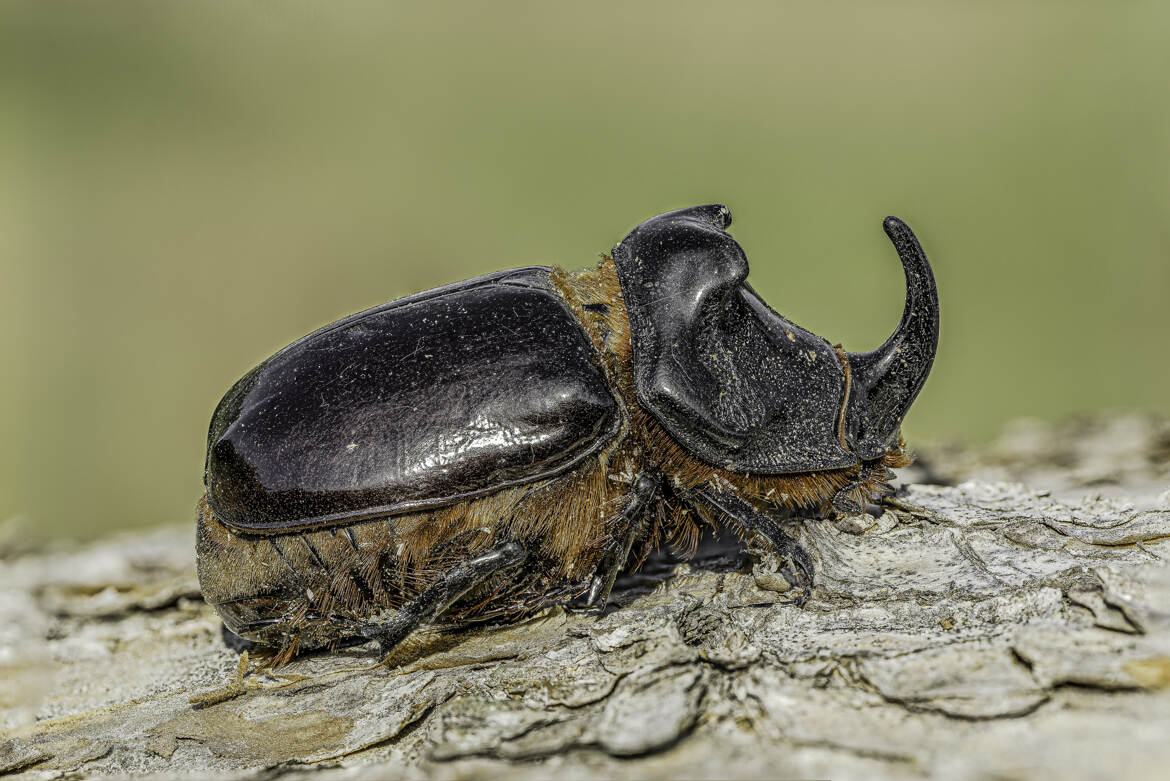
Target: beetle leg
873, 481
752, 519
441, 594
636, 515
844, 503
898, 503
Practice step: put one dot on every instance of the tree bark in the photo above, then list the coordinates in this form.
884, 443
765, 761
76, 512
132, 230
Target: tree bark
981, 628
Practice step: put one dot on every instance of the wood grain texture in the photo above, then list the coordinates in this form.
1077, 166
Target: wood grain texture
1003, 629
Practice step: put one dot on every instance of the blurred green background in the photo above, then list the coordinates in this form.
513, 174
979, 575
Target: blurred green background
185, 188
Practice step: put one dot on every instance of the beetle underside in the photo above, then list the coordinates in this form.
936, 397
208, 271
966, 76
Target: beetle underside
310, 588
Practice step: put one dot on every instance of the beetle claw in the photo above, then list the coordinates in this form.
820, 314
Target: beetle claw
801, 575
590, 610
798, 564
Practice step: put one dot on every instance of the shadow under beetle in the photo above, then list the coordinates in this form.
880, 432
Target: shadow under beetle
484, 449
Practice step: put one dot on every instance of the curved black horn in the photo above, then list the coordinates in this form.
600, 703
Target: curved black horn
886, 381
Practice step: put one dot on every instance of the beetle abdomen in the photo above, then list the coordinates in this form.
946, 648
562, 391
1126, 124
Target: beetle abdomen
419, 403
300, 589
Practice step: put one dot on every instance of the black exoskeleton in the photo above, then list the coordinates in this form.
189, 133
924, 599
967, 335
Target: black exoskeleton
483, 449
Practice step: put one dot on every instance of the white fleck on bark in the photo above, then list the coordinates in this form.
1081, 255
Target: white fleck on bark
987, 628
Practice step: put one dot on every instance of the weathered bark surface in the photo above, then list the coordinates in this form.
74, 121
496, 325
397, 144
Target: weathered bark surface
1006, 630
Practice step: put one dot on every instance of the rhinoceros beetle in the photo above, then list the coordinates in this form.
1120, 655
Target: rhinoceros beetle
486, 448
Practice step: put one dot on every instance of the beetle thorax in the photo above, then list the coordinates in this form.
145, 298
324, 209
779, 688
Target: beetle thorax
595, 297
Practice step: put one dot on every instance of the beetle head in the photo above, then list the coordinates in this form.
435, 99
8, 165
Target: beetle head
739, 385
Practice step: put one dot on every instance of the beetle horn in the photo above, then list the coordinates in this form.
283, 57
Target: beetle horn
886, 381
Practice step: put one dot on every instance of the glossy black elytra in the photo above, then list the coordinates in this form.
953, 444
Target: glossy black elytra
486, 448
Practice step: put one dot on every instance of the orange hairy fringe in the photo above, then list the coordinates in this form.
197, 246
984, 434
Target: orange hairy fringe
321, 583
